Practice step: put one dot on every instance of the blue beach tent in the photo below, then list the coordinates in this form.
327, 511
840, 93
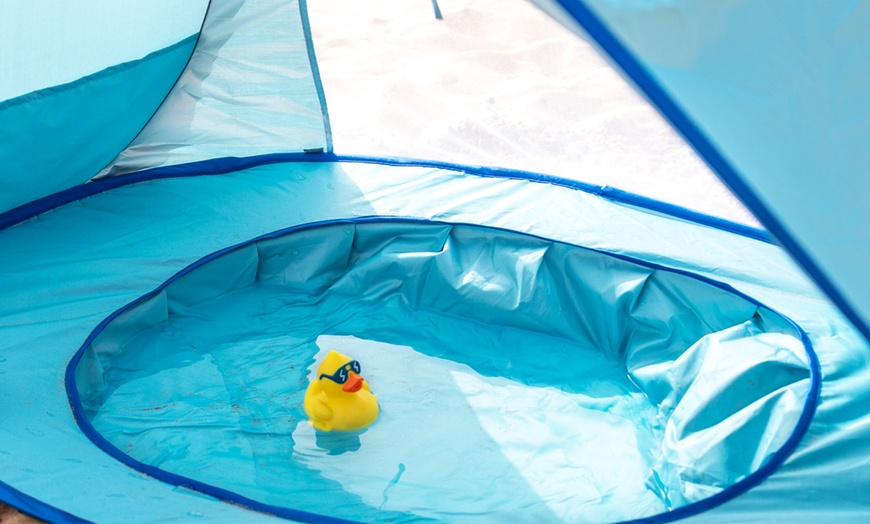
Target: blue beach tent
180, 246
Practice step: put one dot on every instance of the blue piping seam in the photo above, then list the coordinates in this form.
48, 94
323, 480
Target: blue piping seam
679, 119
315, 71
230, 164
732, 491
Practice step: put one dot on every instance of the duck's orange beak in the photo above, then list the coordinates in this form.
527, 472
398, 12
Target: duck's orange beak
353, 384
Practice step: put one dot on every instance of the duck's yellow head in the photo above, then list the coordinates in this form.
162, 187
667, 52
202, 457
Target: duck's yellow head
339, 373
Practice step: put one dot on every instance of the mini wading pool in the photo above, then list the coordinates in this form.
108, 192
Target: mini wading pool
519, 379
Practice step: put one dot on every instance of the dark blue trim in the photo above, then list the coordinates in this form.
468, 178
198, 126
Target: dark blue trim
315, 71
231, 164
35, 507
771, 465
610, 193
679, 119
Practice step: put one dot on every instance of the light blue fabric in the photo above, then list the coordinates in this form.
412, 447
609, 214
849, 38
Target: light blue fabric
59, 137
55, 291
779, 90
45, 44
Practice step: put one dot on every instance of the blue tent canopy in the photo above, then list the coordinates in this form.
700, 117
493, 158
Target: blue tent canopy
181, 247
68, 92
770, 95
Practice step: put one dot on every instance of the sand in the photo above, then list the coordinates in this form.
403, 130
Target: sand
498, 83
10, 515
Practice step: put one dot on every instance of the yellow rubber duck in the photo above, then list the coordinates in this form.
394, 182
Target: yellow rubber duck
340, 399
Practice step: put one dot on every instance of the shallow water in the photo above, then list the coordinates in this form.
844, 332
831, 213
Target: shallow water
519, 379
467, 428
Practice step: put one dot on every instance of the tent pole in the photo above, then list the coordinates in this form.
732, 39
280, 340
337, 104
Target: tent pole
437, 10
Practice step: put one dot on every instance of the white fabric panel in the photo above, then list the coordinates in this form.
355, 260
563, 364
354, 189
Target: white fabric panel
249, 89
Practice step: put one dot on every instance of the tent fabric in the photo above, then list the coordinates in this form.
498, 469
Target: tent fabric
86, 79
771, 94
57, 137
251, 88
160, 227
76, 258
55, 43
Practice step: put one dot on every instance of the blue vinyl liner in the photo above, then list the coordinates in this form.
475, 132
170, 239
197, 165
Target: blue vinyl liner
499, 283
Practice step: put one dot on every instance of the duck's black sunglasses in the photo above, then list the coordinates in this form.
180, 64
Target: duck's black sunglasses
342, 374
